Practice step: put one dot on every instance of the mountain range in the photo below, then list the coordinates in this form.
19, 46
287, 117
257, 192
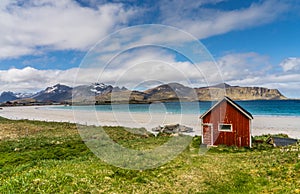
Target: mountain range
102, 94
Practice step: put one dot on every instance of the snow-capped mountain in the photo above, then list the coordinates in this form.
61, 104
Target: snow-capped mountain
10, 96
24, 95
61, 93
101, 93
100, 88
57, 93
7, 96
95, 89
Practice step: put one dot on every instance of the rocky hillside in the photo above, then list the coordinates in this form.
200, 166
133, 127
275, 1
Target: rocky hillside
238, 93
174, 92
253, 93
104, 94
170, 92
57, 93
7, 96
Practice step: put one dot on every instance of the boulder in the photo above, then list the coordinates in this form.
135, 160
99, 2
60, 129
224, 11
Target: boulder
173, 128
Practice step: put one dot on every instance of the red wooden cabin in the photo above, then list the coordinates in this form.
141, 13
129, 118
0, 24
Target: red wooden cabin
226, 123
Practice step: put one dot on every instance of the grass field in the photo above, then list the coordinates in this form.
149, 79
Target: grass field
49, 157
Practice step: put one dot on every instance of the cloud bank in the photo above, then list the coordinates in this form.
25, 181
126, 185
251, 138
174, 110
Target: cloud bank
241, 73
38, 25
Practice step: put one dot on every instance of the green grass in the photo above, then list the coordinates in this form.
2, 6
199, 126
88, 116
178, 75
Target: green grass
49, 157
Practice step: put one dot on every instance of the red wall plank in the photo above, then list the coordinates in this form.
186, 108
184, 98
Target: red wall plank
228, 114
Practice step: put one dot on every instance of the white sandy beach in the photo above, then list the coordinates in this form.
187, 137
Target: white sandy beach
260, 124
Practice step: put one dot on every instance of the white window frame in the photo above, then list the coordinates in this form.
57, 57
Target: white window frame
219, 127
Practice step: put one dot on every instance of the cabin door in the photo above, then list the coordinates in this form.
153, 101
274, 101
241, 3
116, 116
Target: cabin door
207, 134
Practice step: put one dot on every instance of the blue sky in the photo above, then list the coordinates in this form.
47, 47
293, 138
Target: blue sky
254, 43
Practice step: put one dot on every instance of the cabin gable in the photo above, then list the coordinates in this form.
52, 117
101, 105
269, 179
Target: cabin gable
230, 125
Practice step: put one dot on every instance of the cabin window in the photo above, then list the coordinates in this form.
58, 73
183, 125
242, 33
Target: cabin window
225, 127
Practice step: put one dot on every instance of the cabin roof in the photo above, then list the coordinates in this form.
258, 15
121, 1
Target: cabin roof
241, 109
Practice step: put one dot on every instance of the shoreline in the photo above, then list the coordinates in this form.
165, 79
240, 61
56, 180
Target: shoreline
51, 107
260, 125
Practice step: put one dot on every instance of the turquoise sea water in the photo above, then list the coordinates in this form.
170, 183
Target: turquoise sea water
255, 107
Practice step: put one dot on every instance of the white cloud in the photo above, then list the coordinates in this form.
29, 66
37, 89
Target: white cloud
243, 65
291, 64
131, 69
204, 22
140, 70
30, 79
252, 69
56, 25
144, 64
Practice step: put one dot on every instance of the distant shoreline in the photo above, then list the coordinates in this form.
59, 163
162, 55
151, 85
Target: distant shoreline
67, 103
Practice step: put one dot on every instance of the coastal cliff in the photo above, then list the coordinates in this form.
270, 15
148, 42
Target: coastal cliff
239, 93
254, 93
